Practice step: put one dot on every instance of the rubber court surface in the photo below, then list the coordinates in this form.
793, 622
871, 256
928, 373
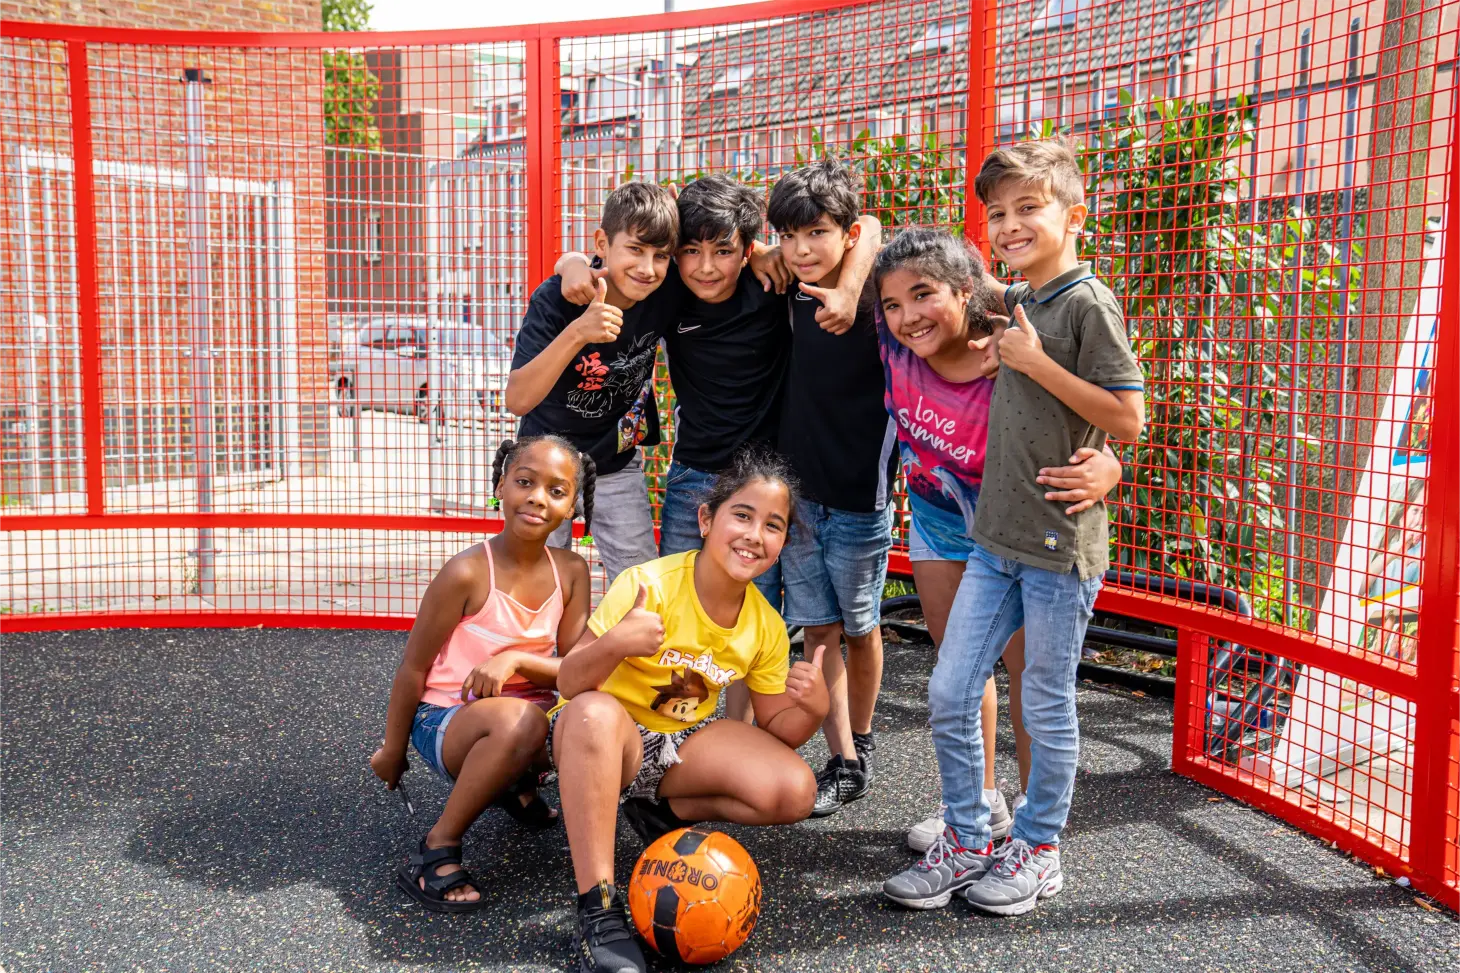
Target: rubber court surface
199, 800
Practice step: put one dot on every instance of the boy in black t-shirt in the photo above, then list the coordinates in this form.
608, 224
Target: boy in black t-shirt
729, 341
584, 374
836, 431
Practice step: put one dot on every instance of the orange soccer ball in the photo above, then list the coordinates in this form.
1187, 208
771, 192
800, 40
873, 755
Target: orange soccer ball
695, 895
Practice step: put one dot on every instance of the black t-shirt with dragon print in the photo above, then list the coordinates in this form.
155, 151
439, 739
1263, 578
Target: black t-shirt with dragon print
604, 402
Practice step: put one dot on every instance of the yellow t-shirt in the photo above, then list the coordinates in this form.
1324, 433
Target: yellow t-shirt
679, 685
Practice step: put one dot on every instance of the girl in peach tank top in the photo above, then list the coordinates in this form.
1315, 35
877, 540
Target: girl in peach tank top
481, 665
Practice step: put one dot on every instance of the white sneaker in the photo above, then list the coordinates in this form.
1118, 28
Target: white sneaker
920, 837
1020, 877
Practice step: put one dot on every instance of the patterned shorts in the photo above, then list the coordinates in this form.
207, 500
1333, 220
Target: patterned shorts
661, 751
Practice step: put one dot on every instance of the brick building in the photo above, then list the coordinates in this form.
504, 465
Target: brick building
261, 117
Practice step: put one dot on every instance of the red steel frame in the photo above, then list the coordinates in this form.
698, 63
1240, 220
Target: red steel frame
1431, 685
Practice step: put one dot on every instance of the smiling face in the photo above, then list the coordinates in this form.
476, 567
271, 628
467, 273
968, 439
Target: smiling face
635, 268
814, 252
927, 316
745, 535
711, 268
1032, 231
537, 490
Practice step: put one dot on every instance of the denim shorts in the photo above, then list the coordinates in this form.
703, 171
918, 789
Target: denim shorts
685, 488
834, 567
427, 732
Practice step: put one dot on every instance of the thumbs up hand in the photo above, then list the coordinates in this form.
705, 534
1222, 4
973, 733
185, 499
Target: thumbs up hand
641, 631
601, 322
1019, 345
806, 685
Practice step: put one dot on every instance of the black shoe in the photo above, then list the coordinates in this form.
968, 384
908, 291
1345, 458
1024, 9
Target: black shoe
865, 744
651, 820
839, 784
606, 944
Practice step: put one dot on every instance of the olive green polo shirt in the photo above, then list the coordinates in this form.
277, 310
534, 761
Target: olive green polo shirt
1081, 327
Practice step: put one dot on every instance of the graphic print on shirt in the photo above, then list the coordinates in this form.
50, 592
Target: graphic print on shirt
681, 696
619, 379
942, 428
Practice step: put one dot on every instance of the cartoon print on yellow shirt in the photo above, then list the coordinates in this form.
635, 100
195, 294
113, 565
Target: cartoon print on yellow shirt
682, 696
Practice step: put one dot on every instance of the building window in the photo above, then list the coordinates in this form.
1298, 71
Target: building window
374, 237
937, 39
461, 138
1058, 14
732, 79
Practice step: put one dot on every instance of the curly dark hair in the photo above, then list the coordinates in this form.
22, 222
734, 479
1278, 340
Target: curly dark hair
938, 255
584, 467
753, 463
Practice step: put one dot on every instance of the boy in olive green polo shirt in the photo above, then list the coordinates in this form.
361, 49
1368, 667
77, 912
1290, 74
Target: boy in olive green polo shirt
1067, 378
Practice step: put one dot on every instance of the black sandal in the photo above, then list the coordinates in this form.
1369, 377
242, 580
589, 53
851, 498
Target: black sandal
535, 815
423, 864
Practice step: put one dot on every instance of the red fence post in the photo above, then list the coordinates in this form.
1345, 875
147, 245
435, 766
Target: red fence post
83, 181
1435, 705
543, 131
982, 76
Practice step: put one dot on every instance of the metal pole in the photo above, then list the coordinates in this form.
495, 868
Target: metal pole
1296, 350
199, 323
1346, 207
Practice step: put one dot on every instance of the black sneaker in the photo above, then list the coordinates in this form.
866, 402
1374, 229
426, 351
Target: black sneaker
651, 820
839, 784
865, 744
606, 944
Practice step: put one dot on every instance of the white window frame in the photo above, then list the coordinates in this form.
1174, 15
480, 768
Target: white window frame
936, 39
374, 250
1058, 14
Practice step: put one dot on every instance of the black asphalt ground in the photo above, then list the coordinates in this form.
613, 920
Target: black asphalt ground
199, 800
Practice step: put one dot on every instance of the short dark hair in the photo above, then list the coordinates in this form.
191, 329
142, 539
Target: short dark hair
802, 195
716, 208
584, 467
753, 463
644, 209
938, 255
1051, 164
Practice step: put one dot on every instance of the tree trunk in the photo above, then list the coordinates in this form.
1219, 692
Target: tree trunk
1346, 407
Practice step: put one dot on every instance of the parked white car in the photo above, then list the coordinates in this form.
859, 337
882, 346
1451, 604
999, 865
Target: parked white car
388, 363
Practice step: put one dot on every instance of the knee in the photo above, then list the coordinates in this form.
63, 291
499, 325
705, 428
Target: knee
590, 717
796, 796
1046, 717
526, 731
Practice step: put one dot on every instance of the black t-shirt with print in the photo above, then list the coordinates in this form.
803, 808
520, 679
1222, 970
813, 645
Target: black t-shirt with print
604, 402
834, 426
727, 363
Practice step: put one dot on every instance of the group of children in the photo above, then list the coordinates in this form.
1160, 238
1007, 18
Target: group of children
801, 386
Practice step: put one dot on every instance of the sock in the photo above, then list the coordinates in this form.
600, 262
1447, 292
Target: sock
594, 897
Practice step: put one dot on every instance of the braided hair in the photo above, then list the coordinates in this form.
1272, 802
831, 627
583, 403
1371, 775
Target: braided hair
583, 466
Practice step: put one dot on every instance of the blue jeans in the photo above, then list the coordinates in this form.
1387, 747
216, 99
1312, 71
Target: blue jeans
834, 567
995, 597
685, 488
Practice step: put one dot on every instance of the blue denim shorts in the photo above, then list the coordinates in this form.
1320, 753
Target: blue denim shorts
685, 488
834, 567
427, 732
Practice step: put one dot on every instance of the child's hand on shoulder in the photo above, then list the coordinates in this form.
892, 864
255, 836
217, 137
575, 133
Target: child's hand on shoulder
1085, 482
989, 344
1019, 344
640, 632
602, 321
770, 268
580, 281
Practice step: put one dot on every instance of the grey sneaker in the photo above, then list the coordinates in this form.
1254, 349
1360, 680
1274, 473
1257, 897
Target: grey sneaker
948, 867
920, 837
1019, 878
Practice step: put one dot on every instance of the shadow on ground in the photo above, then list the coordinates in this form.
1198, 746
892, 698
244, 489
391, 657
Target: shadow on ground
189, 800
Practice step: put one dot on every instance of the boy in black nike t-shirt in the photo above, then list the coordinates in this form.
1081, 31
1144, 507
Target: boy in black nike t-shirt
584, 374
836, 431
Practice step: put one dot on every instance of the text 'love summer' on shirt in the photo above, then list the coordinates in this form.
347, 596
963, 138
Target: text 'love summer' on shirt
603, 403
834, 426
679, 684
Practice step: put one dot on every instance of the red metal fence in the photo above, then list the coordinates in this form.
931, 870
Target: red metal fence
322, 243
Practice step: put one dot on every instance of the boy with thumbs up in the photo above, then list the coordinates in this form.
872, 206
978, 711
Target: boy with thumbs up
584, 373
1067, 380
836, 431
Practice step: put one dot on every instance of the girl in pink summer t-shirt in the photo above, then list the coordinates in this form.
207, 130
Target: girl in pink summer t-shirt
481, 665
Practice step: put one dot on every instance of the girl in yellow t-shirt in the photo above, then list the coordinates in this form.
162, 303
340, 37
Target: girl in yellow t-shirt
638, 723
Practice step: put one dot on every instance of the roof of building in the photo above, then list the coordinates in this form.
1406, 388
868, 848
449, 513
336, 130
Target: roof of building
838, 61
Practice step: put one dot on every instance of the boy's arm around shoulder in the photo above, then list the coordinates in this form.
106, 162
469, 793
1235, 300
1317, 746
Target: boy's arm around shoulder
1117, 403
549, 340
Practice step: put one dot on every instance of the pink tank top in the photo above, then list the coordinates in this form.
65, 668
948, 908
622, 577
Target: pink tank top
503, 623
